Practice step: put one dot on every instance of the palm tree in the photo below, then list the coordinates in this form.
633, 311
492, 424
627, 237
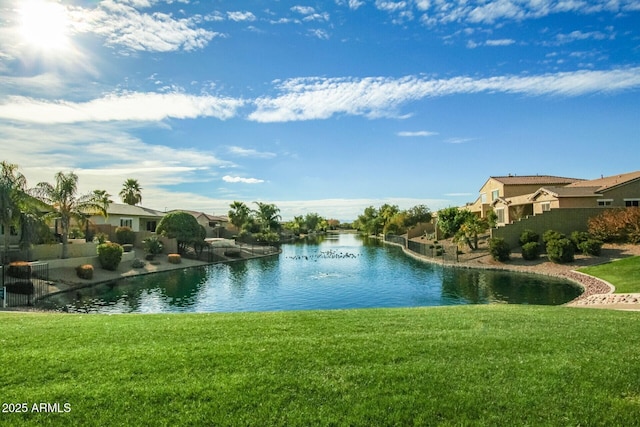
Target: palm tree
13, 187
66, 205
268, 215
131, 192
239, 214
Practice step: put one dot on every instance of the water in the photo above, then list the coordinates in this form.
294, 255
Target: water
333, 272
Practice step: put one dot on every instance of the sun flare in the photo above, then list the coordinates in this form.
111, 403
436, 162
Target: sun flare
44, 24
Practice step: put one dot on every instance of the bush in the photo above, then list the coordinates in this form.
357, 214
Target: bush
76, 233
616, 225
550, 235
499, 249
125, 236
85, 271
100, 238
531, 250
174, 258
578, 237
110, 255
138, 263
591, 247
153, 246
529, 236
181, 226
560, 250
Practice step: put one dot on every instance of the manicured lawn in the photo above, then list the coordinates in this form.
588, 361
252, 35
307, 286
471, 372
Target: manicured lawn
624, 274
466, 365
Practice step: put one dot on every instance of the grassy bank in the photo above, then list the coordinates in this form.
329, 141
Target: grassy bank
623, 274
506, 365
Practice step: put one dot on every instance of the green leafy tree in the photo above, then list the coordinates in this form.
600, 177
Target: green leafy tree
181, 226
314, 222
386, 212
131, 192
369, 222
397, 224
65, 205
450, 220
416, 215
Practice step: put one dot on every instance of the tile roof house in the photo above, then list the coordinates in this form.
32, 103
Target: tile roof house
509, 195
138, 218
213, 224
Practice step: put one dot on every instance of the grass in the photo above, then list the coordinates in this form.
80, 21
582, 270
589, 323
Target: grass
623, 274
467, 365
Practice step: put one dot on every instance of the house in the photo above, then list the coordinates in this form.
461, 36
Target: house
613, 191
215, 225
509, 196
137, 218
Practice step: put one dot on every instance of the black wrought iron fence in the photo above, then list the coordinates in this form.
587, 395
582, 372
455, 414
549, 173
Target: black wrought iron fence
447, 253
23, 283
400, 240
221, 253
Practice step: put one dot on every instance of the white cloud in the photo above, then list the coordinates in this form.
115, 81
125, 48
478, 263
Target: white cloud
241, 16
391, 6
500, 42
247, 152
119, 107
421, 133
459, 140
319, 33
321, 98
303, 10
237, 179
122, 24
579, 35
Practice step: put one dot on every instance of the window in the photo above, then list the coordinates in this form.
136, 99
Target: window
126, 222
495, 194
605, 202
483, 198
500, 214
631, 202
546, 206
151, 226
12, 231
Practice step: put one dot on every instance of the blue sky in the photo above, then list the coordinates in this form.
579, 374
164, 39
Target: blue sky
321, 107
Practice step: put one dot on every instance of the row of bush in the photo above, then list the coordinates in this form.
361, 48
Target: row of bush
559, 248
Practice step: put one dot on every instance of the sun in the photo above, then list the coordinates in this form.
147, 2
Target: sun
44, 24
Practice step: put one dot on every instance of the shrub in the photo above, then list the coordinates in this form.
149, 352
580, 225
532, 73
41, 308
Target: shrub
138, 263
560, 250
181, 226
125, 236
578, 237
85, 271
531, 250
550, 235
110, 255
529, 236
174, 258
591, 247
100, 238
76, 233
499, 249
616, 225
153, 246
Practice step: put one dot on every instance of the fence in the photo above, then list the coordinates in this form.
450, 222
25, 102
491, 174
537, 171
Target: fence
23, 283
445, 253
220, 253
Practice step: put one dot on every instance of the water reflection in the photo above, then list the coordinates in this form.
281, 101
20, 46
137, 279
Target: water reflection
324, 272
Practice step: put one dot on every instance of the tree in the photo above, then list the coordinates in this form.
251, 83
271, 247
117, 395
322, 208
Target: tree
239, 215
369, 222
313, 222
386, 212
66, 206
472, 226
131, 192
416, 215
181, 226
268, 216
13, 187
450, 220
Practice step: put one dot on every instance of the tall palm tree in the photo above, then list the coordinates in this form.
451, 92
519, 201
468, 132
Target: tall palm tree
239, 214
13, 187
131, 192
268, 215
66, 205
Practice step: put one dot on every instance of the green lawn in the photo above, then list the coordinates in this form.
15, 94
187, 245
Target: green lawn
466, 365
624, 274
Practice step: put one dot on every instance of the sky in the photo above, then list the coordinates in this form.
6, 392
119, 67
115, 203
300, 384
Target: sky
317, 106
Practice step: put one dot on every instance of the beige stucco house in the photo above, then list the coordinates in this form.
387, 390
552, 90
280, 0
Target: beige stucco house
137, 218
213, 224
509, 196
612, 191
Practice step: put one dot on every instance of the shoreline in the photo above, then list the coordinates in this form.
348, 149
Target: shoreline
597, 293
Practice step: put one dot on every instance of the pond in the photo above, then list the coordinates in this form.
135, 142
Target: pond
338, 271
